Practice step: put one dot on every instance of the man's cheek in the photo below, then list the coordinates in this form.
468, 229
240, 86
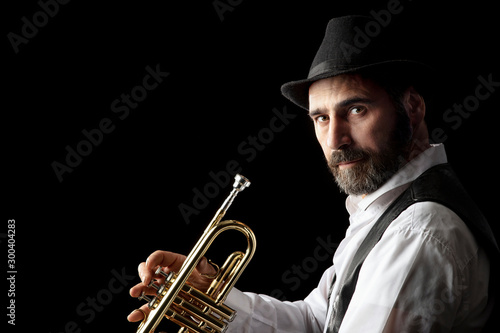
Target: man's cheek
328, 153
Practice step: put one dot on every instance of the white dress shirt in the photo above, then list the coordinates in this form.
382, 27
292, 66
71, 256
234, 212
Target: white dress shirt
426, 274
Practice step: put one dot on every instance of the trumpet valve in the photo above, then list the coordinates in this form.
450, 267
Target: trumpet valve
159, 271
154, 285
143, 297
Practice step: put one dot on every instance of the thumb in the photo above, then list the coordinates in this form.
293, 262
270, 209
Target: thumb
207, 268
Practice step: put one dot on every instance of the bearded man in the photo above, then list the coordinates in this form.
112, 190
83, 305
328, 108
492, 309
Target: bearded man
416, 256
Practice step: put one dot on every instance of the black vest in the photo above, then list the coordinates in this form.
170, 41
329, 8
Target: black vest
438, 184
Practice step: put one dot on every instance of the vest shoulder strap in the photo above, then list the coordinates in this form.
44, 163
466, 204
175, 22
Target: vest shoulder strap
438, 184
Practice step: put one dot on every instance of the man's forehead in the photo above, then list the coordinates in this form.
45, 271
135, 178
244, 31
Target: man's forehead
342, 86
339, 82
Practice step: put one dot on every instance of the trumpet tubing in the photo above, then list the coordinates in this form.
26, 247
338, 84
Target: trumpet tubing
180, 302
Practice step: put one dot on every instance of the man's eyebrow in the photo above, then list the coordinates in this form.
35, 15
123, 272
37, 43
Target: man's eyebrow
353, 100
315, 112
343, 104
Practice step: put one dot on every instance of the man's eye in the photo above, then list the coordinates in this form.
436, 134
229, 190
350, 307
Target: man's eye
321, 119
356, 110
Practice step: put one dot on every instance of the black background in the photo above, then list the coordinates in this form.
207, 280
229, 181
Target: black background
122, 201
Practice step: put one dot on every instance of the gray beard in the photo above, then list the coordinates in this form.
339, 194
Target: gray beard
367, 175
375, 168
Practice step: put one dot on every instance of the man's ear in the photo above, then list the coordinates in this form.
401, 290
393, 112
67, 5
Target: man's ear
415, 106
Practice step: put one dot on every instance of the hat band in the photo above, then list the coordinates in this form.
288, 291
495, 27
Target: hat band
327, 66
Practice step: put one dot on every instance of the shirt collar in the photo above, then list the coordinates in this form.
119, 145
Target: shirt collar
430, 157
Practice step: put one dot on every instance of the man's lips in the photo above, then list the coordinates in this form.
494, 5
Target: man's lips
347, 164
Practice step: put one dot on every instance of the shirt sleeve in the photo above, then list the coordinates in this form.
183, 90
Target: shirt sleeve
426, 274
265, 314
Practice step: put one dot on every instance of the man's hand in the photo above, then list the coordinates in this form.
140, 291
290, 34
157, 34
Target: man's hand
171, 262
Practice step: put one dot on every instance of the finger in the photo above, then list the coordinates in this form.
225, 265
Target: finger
145, 274
168, 259
139, 288
205, 268
137, 315
204, 275
136, 290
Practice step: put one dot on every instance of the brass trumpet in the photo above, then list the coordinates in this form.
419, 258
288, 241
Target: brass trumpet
183, 304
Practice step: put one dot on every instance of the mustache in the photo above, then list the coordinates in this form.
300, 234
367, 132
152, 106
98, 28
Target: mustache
346, 155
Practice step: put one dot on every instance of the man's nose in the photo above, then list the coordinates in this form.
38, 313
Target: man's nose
338, 134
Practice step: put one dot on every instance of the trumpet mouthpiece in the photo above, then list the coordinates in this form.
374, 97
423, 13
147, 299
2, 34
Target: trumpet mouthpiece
240, 182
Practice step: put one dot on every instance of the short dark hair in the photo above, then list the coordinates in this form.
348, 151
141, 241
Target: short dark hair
395, 84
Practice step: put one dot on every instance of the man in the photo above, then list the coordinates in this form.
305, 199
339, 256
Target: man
416, 256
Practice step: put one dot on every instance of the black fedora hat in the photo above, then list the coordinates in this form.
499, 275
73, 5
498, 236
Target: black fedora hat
354, 44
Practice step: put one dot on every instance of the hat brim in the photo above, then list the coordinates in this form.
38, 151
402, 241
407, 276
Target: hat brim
298, 91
